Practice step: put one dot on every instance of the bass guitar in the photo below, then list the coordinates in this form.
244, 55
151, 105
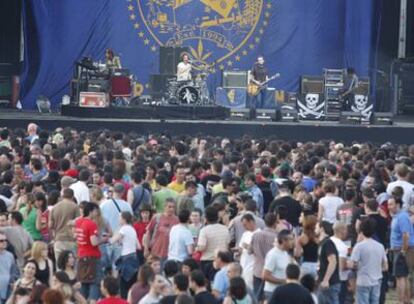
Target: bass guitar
253, 89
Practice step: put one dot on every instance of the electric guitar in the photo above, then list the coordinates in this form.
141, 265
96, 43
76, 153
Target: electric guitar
253, 89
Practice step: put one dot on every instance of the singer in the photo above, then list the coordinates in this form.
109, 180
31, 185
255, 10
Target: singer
184, 69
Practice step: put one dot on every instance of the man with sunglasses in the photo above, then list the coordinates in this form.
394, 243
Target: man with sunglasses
8, 269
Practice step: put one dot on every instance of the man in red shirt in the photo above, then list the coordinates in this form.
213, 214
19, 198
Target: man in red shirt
88, 241
110, 290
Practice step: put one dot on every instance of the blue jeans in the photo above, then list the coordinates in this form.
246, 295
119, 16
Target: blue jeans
368, 294
258, 101
309, 268
329, 295
258, 285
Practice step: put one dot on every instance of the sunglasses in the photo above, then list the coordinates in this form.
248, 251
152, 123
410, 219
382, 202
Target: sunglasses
3, 241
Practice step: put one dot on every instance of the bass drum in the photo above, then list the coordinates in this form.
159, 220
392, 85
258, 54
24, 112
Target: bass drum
188, 95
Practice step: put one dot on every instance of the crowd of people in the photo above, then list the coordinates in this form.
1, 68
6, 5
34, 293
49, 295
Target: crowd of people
108, 217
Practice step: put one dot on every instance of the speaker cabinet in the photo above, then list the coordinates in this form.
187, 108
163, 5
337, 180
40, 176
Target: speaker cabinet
158, 84
311, 84
240, 114
363, 87
382, 118
234, 79
266, 114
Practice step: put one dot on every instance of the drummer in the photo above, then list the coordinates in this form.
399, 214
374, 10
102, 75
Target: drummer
184, 69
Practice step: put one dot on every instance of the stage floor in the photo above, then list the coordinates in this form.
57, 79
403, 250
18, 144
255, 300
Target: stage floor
400, 133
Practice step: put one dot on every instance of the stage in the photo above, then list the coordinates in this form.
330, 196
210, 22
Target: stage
399, 133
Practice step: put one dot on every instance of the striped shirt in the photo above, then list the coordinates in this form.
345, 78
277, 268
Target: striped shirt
214, 237
262, 242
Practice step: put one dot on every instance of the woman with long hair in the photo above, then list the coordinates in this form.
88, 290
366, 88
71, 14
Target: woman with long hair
66, 263
307, 246
140, 226
42, 217
142, 286
150, 173
237, 293
71, 294
39, 254
29, 212
27, 281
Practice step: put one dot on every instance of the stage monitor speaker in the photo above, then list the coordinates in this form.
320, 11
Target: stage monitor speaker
287, 113
266, 114
158, 84
311, 84
363, 87
234, 79
382, 118
352, 118
170, 57
240, 114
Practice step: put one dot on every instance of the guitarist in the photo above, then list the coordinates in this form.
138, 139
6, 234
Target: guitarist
258, 76
348, 92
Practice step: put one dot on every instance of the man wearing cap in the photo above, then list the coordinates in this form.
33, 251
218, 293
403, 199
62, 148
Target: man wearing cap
66, 182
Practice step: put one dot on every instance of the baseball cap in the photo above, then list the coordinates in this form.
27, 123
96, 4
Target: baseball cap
66, 181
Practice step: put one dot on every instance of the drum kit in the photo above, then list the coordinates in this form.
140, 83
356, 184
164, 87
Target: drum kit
189, 92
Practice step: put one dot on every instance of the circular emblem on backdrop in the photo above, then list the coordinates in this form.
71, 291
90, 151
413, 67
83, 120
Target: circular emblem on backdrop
218, 33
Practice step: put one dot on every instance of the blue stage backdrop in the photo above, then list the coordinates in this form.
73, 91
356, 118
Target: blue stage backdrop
295, 36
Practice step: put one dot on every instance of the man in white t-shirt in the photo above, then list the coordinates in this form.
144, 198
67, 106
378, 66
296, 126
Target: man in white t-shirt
340, 234
184, 69
277, 259
328, 205
80, 188
402, 171
247, 259
181, 244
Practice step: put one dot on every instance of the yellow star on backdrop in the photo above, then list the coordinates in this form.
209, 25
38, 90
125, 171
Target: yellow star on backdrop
221, 67
261, 31
146, 41
237, 58
153, 48
136, 25
244, 53
269, 5
141, 34
229, 63
265, 23
251, 46
131, 7
257, 39
132, 17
